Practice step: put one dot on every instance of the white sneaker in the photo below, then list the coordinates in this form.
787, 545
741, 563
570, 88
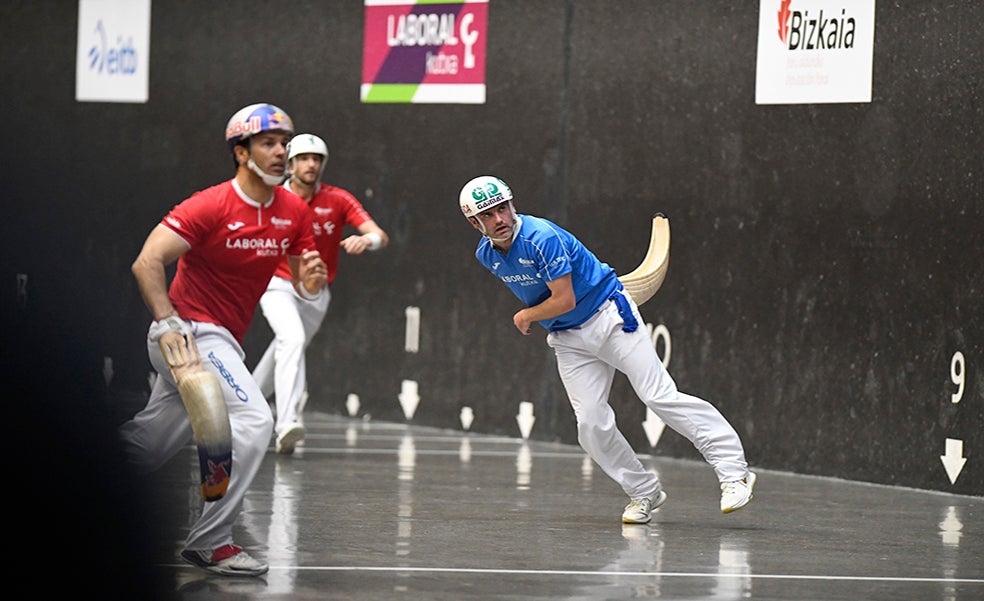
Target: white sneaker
736, 494
640, 511
289, 439
228, 560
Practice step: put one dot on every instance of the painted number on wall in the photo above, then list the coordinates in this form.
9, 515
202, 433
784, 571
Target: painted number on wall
957, 371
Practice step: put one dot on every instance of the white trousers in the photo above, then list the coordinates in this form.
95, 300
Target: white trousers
161, 429
282, 370
587, 358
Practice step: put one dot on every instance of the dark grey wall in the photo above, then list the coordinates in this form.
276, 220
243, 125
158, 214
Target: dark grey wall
825, 258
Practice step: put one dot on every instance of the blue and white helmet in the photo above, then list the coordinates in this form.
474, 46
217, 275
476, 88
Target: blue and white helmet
255, 118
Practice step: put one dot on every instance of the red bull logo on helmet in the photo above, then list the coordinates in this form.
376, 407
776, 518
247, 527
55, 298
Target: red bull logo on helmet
262, 118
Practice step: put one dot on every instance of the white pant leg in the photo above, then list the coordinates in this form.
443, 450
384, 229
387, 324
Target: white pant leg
694, 418
588, 382
158, 432
294, 322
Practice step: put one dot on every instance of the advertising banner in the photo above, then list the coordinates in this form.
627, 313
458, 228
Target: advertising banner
815, 51
424, 51
113, 51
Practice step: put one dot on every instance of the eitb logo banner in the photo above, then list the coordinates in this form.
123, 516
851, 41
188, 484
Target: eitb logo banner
113, 51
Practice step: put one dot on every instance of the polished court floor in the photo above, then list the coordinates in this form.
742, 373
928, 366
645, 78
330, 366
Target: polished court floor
376, 511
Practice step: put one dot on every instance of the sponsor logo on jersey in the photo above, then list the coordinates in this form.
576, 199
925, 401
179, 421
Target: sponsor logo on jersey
523, 279
323, 210
173, 222
558, 261
235, 226
264, 247
281, 223
527, 262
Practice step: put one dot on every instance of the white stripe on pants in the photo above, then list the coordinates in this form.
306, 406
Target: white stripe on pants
162, 428
587, 358
282, 370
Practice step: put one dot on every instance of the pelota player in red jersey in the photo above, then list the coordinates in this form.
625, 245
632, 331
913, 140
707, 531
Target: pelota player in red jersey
282, 371
227, 240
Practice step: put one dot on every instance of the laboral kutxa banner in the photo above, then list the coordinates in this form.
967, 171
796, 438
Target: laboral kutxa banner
424, 51
815, 51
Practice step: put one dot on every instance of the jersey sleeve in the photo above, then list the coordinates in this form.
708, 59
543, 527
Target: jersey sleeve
192, 218
355, 213
553, 261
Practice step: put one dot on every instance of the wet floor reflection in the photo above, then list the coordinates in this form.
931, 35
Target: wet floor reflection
735, 581
450, 507
524, 467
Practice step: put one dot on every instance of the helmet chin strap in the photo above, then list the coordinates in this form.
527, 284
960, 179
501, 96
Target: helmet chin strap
270, 180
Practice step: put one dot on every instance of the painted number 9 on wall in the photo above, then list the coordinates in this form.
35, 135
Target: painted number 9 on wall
957, 376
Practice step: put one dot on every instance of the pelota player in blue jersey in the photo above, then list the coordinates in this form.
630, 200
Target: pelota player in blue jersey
593, 327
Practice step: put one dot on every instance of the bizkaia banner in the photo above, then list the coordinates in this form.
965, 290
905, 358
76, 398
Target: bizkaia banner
424, 51
815, 51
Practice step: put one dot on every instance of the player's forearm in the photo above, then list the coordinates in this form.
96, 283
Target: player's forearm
152, 281
375, 236
553, 306
308, 289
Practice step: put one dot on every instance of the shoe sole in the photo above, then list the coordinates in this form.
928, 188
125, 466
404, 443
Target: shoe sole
285, 445
656, 505
751, 487
232, 572
194, 559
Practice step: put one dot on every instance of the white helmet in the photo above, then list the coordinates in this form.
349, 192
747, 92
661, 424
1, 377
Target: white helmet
307, 144
483, 193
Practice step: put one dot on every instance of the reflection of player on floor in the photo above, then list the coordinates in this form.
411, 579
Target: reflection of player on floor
282, 370
227, 241
593, 327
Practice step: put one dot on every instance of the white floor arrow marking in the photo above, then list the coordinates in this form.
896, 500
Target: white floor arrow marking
525, 419
352, 404
954, 460
409, 398
653, 426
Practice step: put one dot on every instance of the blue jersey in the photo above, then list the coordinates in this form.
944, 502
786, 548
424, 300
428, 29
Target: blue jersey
542, 252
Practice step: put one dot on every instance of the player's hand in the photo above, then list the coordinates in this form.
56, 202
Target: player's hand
313, 271
356, 244
522, 324
180, 352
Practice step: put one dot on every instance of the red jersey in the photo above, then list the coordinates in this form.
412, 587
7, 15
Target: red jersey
236, 245
331, 209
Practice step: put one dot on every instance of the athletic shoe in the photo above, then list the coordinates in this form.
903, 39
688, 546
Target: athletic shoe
228, 560
640, 511
289, 439
737, 494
